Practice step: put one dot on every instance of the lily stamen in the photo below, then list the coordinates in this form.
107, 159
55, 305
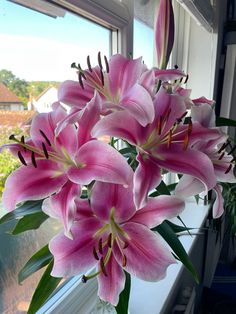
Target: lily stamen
100, 246
89, 64
186, 80
45, 151
159, 125
102, 77
221, 156
45, 137
23, 141
99, 60
95, 254
124, 261
107, 64
22, 160
80, 80
223, 147
169, 138
109, 240
33, 160
102, 267
228, 169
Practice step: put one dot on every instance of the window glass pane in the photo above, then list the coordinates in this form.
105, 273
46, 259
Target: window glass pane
36, 53
143, 42
144, 13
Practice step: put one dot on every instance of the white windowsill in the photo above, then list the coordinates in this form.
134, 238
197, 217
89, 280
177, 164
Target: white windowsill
146, 297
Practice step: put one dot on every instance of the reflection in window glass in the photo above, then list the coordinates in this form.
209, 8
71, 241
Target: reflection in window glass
36, 53
143, 42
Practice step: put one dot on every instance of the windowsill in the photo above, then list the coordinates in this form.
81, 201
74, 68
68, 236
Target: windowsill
146, 297
150, 297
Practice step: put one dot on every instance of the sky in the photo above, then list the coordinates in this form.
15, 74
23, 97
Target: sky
37, 47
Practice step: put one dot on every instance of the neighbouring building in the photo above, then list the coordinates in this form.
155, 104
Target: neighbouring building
43, 103
9, 100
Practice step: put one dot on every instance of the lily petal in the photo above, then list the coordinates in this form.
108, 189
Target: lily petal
47, 122
158, 209
169, 74
120, 124
190, 161
110, 286
62, 205
90, 115
73, 257
146, 177
124, 73
138, 102
71, 93
147, 80
106, 196
146, 255
218, 206
189, 186
99, 161
29, 183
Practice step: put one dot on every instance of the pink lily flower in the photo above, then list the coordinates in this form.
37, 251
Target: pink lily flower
223, 163
166, 143
112, 235
202, 111
164, 33
119, 87
50, 162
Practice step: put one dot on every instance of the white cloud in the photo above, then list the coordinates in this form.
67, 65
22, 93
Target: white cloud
33, 58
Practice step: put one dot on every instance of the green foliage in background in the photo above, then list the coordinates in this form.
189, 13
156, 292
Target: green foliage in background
8, 163
23, 89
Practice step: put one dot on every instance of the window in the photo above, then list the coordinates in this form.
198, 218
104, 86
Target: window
36, 52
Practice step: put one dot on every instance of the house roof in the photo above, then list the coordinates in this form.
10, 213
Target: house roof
16, 118
45, 91
7, 96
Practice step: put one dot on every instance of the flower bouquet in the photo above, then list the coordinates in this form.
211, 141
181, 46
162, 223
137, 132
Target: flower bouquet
110, 197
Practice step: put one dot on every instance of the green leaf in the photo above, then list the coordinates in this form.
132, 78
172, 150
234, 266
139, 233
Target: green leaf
25, 209
29, 222
171, 238
128, 150
177, 228
46, 286
122, 306
160, 190
40, 259
225, 122
180, 219
163, 189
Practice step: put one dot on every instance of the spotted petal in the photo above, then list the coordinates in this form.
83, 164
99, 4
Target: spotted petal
110, 286
62, 205
99, 161
146, 255
158, 209
73, 257
29, 183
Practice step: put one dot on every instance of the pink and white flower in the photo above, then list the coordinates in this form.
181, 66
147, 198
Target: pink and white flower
113, 236
164, 144
119, 86
50, 162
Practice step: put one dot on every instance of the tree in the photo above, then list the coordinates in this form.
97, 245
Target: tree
16, 85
